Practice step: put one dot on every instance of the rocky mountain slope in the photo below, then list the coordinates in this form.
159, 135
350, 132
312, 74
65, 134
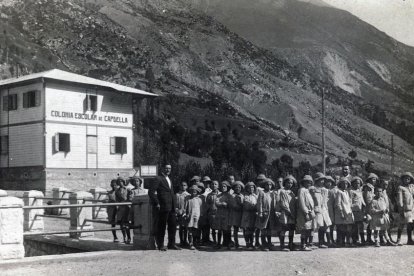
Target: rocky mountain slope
268, 93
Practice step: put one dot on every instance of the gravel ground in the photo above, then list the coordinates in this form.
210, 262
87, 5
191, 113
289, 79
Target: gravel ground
346, 261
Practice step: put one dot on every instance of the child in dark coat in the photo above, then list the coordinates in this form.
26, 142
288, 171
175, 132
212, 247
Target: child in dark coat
222, 219
180, 211
212, 208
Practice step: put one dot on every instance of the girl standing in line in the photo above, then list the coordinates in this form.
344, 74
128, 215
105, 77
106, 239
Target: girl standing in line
306, 213
380, 221
180, 211
249, 214
222, 220
112, 210
343, 213
237, 210
358, 210
123, 210
331, 185
287, 212
192, 213
320, 198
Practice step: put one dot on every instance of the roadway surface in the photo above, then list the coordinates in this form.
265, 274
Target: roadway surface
344, 261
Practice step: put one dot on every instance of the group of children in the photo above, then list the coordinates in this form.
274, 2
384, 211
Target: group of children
265, 209
123, 191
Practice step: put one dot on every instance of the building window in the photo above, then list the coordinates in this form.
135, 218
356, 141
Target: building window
31, 99
62, 142
10, 102
4, 144
91, 103
118, 145
91, 140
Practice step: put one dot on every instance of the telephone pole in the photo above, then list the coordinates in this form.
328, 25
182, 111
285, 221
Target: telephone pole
392, 154
323, 132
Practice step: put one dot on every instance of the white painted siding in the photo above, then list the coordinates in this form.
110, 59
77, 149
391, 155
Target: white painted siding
71, 100
25, 146
76, 158
108, 160
21, 115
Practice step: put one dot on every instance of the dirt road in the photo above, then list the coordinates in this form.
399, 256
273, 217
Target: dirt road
346, 261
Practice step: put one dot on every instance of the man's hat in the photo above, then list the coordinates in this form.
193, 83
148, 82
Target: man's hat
261, 177
372, 175
319, 175
206, 179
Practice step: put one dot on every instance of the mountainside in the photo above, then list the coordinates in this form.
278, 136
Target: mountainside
219, 77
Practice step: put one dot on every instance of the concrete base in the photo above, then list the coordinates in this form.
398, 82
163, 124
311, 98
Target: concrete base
42, 179
144, 218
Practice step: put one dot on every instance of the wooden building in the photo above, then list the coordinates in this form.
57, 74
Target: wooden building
63, 129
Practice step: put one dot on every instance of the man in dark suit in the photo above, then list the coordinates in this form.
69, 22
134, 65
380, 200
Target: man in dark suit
162, 197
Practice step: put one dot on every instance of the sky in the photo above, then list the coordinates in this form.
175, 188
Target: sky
394, 17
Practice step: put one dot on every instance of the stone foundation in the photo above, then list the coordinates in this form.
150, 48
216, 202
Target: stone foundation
41, 179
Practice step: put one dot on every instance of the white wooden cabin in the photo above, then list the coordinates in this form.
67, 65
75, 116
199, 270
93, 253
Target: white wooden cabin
63, 129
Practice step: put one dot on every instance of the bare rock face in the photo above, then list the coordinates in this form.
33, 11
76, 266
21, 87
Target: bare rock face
253, 67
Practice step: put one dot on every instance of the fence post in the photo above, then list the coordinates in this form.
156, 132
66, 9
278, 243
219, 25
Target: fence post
99, 194
58, 194
145, 220
33, 221
11, 227
79, 216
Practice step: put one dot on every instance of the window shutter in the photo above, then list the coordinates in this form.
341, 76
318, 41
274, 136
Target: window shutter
25, 100
38, 95
112, 145
57, 142
5, 103
88, 102
124, 146
67, 143
1, 145
14, 101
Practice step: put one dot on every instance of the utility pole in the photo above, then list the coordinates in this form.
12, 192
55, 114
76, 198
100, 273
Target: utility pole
392, 154
323, 132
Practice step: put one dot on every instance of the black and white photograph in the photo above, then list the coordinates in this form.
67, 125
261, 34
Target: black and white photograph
206, 137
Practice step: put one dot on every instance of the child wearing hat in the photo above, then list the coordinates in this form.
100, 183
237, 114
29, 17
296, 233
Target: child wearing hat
368, 195
192, 213
358, 210
206, 227
343, 213
264, 214
320, 199
222, 219
181, 197
330, 185
237, 210
405, 206
123, 210
260, 180
112, 210
305, 213
212, 208
249, 213
287, 217
378, 211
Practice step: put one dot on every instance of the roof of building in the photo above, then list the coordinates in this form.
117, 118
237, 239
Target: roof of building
60, 75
